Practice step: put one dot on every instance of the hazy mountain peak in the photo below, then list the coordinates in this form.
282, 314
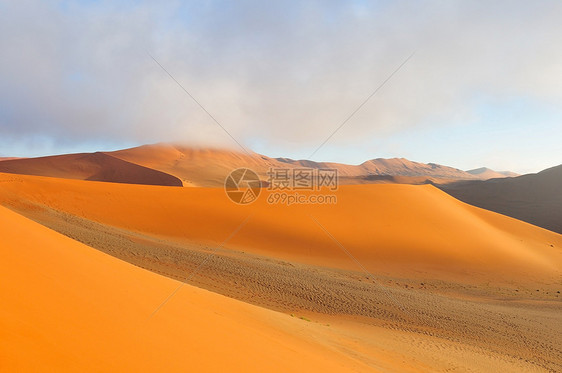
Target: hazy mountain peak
486, 173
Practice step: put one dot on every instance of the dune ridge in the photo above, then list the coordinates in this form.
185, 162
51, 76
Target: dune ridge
89, 166
410, 228
208, 167
204, 167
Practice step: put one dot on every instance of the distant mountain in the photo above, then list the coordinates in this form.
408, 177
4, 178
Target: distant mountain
209, 167
534, 198
485, 173
89, 166
388, 167
168, 164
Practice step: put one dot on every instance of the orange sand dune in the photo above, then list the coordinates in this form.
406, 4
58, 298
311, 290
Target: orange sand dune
209, 167
68, 307
197, 166
419, 230
89, 166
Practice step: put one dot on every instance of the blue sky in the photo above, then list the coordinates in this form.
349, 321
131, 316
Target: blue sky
483, 89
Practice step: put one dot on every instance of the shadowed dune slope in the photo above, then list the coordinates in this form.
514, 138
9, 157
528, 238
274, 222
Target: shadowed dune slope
68, 307
534, 198
89, 166
419, 230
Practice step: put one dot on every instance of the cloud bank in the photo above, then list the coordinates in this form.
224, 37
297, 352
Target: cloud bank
283, 74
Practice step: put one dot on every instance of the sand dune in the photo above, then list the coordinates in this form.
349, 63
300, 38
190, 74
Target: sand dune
89, 166
209, 167
414, 229
534, 198
75, 308
204, 167
68, 307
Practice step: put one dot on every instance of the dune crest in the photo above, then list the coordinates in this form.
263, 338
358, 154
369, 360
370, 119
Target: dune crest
174, 165
209, 167
404, 227
89, 166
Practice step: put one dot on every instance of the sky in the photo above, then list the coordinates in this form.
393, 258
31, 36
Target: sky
481, 85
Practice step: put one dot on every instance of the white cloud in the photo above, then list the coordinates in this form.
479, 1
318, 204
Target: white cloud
284, 73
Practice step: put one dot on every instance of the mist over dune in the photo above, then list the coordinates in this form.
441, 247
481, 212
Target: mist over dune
485, 173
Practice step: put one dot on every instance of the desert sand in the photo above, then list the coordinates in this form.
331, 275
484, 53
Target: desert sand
441, 285
400, 226
205, 167
68, 307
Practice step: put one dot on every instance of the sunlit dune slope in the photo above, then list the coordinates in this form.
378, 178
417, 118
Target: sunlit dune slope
197, 166
68, 307
89, 166
387, 227
209, 167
